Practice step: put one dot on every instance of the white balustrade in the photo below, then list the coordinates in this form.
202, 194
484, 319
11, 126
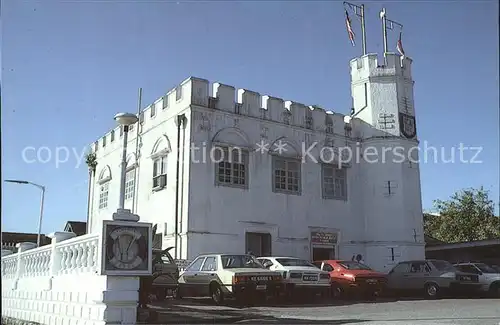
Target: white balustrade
9, 266
64, 256
78, 255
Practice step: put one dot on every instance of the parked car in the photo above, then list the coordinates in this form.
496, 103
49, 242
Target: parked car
299, 275
165, 274
220, 276
352, 278
433, 277
489, 278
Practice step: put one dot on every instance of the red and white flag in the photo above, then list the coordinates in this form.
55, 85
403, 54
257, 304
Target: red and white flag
350, 32
400, 46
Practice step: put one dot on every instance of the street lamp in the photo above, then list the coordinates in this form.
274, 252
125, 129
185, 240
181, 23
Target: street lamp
125, 120
42, 199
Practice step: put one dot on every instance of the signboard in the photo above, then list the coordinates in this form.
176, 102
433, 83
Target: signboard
324, 238
126, 248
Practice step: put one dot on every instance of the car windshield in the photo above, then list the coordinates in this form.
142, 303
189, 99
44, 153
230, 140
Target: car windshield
486, 268
239, 261
443, 265
293, 262
351, 265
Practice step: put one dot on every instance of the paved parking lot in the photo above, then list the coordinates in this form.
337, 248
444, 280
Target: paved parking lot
407, 312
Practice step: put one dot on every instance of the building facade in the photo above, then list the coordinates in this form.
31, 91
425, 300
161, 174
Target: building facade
226, 170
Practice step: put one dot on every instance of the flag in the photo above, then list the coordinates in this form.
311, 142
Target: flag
400, 46
349, 28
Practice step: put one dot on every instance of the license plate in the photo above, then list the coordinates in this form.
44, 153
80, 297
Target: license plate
310, 278
261, 287
371, 281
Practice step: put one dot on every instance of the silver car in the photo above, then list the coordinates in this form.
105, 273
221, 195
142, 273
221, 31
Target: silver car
489, 278
434, 277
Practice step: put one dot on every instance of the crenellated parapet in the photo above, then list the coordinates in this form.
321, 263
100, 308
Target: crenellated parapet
370, 65
225, 98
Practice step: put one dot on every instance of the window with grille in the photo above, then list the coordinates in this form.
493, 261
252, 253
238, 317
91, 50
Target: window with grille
160, 172
334, 182
287, 175
231, 167
129, 184
103, 195
309, 121
329, 125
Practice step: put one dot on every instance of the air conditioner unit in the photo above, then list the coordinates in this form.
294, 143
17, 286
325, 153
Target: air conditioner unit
159, 182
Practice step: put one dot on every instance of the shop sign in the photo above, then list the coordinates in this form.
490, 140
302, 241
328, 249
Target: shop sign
324, 238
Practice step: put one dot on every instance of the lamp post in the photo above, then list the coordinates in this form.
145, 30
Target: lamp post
125, 120
42, 199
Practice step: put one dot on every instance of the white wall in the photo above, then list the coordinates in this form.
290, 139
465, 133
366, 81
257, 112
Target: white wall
215, 218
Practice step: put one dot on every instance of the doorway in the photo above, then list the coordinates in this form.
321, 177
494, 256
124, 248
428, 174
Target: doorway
258, 243
323, 253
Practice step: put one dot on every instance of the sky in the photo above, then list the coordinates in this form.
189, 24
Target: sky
69, 66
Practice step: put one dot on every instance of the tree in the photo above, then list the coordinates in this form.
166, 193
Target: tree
91, 161
467, 216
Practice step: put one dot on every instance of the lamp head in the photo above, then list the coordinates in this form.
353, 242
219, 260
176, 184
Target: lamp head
126, 119
16, 181
382, 13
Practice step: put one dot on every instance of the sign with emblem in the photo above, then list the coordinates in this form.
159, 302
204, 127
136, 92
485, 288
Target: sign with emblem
126, 248
407, 125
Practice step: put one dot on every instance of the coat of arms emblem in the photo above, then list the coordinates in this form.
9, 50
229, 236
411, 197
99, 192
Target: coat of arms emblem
407, 125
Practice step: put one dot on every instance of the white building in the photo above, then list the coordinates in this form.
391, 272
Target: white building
273, 203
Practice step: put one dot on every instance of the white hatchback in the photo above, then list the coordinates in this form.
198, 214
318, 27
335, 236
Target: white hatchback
299, 274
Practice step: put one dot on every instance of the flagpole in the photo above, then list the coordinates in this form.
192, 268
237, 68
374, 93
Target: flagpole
361, 15
385, 27
363, 30
384, 32
137, 153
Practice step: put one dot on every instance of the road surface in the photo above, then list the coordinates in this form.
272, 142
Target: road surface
403, 312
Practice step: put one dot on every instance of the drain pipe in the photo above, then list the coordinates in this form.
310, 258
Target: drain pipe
180, 121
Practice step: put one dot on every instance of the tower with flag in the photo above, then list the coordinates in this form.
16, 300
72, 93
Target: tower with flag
383, 106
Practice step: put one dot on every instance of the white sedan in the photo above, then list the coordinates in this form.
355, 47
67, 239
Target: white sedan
220, 276
299, 274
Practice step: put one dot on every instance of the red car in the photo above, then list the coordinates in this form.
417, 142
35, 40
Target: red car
353, 278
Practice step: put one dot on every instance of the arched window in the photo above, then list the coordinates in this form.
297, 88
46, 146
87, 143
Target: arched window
230, 152
103, 181
130, 176
159, 155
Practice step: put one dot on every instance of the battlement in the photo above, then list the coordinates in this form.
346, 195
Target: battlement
197, 92
370, 65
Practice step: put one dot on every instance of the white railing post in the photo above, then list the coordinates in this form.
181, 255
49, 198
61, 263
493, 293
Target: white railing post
21, 247
55, 256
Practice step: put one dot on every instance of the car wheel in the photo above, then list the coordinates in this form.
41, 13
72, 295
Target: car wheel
431, 290
337, 292
216, 293
495, 289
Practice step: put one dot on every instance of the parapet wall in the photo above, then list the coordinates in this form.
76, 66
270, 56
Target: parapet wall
218, 96
370, 65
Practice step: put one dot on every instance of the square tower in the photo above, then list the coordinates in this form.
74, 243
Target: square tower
383, 104
383, 94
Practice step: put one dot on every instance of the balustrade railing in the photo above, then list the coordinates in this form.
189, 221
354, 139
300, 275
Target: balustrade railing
66, 255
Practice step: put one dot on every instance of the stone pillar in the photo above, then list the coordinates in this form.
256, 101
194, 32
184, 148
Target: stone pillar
55, 258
